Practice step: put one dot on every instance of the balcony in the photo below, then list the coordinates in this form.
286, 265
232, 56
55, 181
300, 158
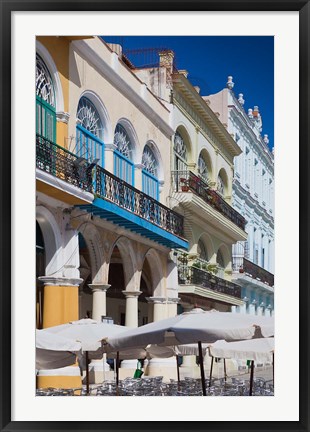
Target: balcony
115, 200
186, 181
59, 162
206, 282
248, 268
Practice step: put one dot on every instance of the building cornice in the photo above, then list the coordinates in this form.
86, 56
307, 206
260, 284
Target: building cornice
191, 98
260, 148
245, 195
119, 83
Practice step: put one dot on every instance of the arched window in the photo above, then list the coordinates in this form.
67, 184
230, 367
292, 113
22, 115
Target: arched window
203, 168
220, 185
89, 132
45, 102
180, 153
123, 165
221, 263
149, 173
202, 250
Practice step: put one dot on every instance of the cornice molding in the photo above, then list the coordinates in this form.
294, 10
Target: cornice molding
120, 84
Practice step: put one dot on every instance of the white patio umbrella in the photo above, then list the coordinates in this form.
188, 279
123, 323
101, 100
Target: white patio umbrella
54, 351
196, 326
90, 334
260, 350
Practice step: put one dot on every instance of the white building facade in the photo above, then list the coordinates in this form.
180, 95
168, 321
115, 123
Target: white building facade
253, 197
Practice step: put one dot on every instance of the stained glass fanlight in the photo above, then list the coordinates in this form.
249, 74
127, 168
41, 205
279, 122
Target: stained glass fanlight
179, 146
149, 161
88, 117
220, 185
202, 167
44, 83
122, 141
203, 254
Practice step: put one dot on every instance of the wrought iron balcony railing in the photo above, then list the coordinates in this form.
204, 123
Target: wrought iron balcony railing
62, 164
111, 188
195, 276
247, 267
66, 166
184, 181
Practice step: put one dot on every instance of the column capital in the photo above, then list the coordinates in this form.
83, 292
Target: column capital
60, 281
156, 300
110, 146
129, 294
139, 166
174, 300
99, 287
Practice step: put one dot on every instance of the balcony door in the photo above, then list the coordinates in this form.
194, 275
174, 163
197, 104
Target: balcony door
123, 164
45, 102
89, 133
150, 185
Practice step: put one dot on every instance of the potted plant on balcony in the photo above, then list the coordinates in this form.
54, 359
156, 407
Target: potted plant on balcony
241, 270
184, 185
212, 268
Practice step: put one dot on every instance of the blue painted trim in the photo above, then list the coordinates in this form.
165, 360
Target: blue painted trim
81, 131
112, 212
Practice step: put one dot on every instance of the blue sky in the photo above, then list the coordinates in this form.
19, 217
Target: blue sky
210, 59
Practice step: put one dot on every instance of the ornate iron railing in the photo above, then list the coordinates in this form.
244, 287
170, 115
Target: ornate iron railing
111, 188
62, 164
66, 166
247, 267
195, 276
184, 181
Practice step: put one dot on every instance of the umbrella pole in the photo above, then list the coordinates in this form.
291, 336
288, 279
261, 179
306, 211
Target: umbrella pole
202, 372
117, 371
225, 374
211, 368
273, 368
87, 373
251, 377
178, 369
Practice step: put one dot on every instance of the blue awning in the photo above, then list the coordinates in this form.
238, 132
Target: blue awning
122, 217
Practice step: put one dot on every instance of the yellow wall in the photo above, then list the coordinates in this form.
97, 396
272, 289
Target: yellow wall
61, 305
58, 47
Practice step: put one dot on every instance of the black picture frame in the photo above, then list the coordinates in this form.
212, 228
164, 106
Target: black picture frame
7, 7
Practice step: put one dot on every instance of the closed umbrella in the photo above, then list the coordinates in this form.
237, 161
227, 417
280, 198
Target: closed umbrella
196, 326
54, 351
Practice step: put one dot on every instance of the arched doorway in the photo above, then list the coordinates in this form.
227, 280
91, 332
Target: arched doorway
116, 304
40, 271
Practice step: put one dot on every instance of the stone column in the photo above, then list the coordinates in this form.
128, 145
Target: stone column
252, 308
159, 307
131, 317
61, 300
131, 320
173, 306
98, 368
99, 300
165, 367
61, 305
